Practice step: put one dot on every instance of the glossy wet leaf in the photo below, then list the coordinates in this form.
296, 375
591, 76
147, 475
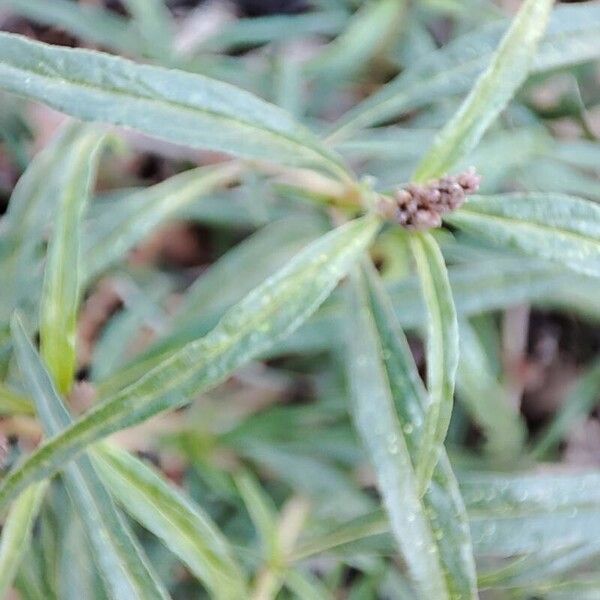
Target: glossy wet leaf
125, 569
492, 92
62, 275
388, 412
560, 228
269, 313
216, 116
442, 351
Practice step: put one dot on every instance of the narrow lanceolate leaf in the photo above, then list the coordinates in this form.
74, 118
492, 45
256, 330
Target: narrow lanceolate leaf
560, 228
92, 23
32, 206
236, 273
173, 105
265, 316
492, 92
486, 400
174, 518
381, 432
125, 569
13, 402
119, 229
62, 279
431, 531
366, 34
442, 350
16, 533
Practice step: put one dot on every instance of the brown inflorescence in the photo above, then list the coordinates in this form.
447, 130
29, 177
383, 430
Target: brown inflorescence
421, 206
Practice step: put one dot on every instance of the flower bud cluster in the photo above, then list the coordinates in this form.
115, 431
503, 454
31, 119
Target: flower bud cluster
421, 206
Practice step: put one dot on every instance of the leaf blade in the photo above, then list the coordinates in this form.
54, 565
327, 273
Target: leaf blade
442, 500
62, 278
172, 517
442, 350
371, 373
16, 533
119, 557
262, 317
560, 228
156, 101
492, 92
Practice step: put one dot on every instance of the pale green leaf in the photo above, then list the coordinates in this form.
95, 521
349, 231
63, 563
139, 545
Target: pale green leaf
172, 517
247, 33
120, 228
571, 38
365, 35
173, 105
16, 533
442, 350
262, 511
225, 282
486, 401
125, 569
269, 313
32, 206
62, 277
13, 402
443, 504
153, 21
376, 377
560, 228
492, 92
90, 22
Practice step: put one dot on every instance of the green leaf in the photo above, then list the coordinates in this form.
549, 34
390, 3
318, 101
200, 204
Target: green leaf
262, 511
560, 228
577, 405
256, 31
486, 401
442, 351
527, 513
266, 315
13, 402
172, 517
32, 206
120, 228
87, 21
62, 279
121, 561
225, 282
431, 532
365, 35
492, 92
153, 21
173, 105
16, 533
571, 39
